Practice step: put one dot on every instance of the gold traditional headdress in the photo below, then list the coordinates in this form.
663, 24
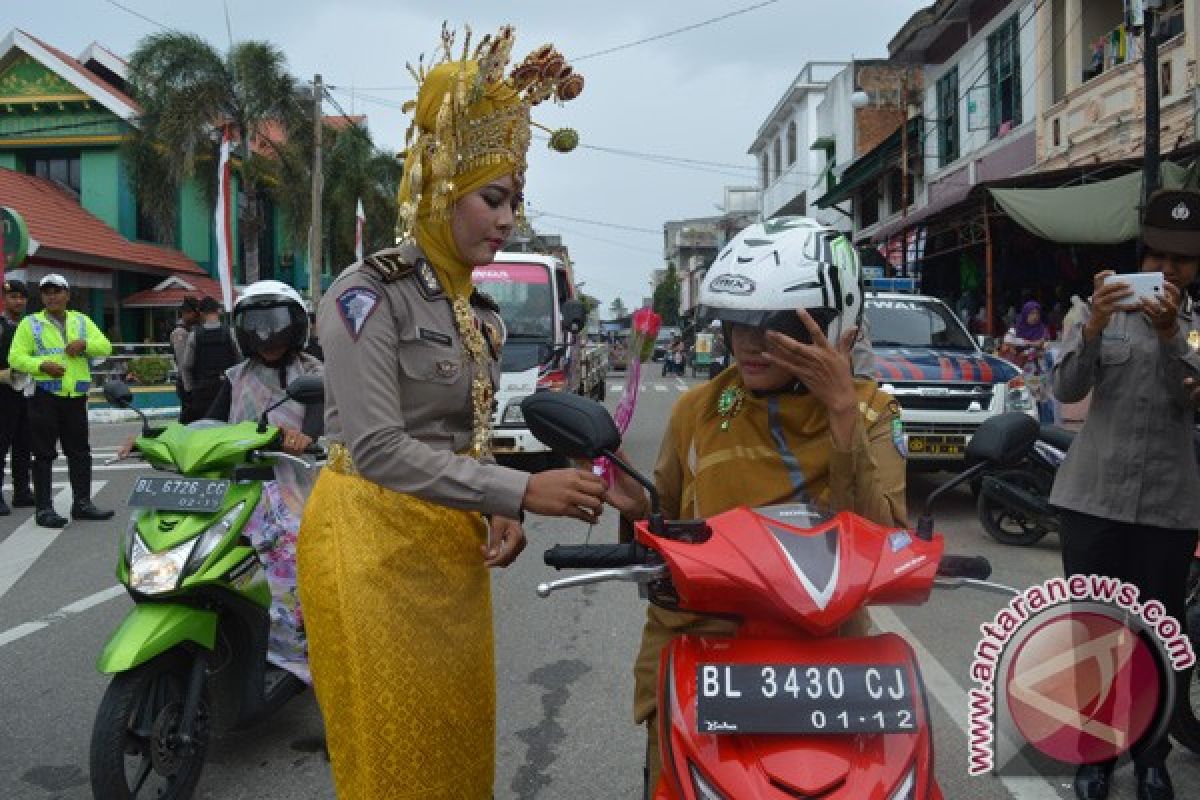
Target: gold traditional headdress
469, 115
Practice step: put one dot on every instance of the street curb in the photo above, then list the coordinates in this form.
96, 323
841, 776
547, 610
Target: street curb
112, 416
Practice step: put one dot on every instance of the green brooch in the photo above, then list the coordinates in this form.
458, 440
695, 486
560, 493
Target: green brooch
729, 404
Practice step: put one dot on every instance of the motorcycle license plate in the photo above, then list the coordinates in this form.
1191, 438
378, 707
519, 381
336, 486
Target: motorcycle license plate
818, 699
179, 494
936, 446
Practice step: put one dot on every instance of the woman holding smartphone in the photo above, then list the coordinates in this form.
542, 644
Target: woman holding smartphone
1129, 490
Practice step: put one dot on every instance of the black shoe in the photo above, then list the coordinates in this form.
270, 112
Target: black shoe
1092, 781
1154, 783
89, 511
49, 518
4, 509
23, 499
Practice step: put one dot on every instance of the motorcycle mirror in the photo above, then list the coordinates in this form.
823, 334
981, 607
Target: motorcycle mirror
119, 395
581, 428
308, 390
1001, 441
574, 316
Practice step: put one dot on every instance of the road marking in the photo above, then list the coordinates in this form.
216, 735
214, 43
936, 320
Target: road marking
78, 607
25, 545
679, 384
617, 387
953, 698
658, 387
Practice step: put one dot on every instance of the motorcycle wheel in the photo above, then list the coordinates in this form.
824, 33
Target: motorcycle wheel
1006, 525
135, 751
1185, 727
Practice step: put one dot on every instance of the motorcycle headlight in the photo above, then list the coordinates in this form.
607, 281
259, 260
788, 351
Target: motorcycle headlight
155, 573
704, 790
212, 537
1017, 395
131, 534
513, 413
907, 790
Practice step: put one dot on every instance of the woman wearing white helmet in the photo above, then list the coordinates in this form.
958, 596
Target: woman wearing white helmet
787, 422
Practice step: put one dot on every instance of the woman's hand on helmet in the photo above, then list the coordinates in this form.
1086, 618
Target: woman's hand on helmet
293, 442
823, 368
565, 493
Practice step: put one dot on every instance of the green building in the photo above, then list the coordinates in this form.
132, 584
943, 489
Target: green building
62, 120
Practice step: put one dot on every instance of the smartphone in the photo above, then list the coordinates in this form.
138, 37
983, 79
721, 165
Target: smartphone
1145, 285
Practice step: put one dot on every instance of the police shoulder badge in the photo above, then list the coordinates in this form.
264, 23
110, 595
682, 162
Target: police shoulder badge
356, 305
427, 281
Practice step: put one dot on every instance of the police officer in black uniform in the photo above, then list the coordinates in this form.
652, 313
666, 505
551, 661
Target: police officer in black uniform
209, 351
14, 413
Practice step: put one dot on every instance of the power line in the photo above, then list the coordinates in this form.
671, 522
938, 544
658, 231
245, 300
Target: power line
137, 14
613, 225
674, 32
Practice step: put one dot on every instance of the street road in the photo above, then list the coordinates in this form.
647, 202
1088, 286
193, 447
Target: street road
563, 663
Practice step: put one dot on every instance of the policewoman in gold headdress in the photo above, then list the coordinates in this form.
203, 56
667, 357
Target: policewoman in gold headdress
410, 513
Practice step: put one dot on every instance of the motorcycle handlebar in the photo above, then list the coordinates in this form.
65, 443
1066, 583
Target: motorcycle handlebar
595, 556
969, 567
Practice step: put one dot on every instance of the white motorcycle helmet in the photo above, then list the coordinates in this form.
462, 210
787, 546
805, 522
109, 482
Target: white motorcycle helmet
772, 268
270, 315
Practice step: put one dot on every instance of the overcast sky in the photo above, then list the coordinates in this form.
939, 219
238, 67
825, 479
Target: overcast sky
701, 94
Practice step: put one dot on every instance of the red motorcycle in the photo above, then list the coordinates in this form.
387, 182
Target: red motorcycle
781, 709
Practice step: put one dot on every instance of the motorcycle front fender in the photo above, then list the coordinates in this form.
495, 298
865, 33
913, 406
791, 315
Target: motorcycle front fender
152, 629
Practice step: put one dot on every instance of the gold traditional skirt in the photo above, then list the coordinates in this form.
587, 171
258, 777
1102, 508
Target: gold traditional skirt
397, 607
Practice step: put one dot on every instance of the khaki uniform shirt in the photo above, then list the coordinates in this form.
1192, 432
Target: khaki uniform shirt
1133, 461
398, 384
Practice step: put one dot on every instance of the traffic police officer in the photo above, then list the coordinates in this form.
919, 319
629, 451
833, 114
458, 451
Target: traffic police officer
14, 418
53, 346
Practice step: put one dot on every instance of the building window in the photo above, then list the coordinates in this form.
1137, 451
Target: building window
1004, 77
791, 143
868, 206
947, 121
764, 168
895, 187
62, 168
777, 158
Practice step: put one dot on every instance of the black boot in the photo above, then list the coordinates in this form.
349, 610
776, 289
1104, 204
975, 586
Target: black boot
4, 509
80, 470
46, 517
23, 497
1153, 782
1092, 781
22, 494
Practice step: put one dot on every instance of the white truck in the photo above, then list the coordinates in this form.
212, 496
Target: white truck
945, 383
546, 348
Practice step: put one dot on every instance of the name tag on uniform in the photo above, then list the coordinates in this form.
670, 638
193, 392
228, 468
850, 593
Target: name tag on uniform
435, 337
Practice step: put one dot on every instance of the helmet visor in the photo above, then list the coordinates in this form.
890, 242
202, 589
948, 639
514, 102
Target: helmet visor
265, 328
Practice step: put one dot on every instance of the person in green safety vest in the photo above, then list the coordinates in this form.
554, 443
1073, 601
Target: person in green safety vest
53, 347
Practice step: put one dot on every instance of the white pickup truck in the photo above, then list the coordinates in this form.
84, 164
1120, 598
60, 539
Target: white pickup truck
546, 348
945, 383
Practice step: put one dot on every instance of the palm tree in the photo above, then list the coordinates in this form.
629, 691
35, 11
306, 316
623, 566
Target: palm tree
187, 91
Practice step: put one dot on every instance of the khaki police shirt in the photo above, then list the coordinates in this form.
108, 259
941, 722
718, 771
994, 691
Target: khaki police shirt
398, 385
1133, 461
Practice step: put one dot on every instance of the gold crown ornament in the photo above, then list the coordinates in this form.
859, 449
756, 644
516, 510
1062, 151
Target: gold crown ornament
469, 115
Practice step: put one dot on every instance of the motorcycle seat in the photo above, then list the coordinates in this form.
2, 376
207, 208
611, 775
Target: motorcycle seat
1057, 437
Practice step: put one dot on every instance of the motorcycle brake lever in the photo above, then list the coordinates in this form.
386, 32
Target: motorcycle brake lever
973, 583
640, 574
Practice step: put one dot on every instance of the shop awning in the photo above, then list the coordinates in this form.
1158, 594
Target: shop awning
873, 164
1105, 212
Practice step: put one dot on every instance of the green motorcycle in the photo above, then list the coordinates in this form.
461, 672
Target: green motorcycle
190, 659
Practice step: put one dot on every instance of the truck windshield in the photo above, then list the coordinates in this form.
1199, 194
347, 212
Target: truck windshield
524, 295
915, 323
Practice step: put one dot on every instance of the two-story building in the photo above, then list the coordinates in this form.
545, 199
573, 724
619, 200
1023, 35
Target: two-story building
791, 174
691, 245
62, 168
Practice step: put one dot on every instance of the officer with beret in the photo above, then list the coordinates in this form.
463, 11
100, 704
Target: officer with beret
14, 417
53, 346
1129, 490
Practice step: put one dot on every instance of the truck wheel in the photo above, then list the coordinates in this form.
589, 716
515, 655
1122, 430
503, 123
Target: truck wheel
135, 749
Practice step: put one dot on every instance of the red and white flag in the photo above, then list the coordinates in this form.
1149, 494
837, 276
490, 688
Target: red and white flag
224, 223
360, 221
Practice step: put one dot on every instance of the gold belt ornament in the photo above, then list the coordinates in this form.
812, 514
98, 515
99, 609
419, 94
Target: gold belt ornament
339, 459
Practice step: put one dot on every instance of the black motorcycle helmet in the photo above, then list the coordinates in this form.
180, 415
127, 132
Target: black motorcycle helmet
270, 316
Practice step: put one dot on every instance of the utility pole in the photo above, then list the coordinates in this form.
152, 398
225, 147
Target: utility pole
314, 232
1151, 145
